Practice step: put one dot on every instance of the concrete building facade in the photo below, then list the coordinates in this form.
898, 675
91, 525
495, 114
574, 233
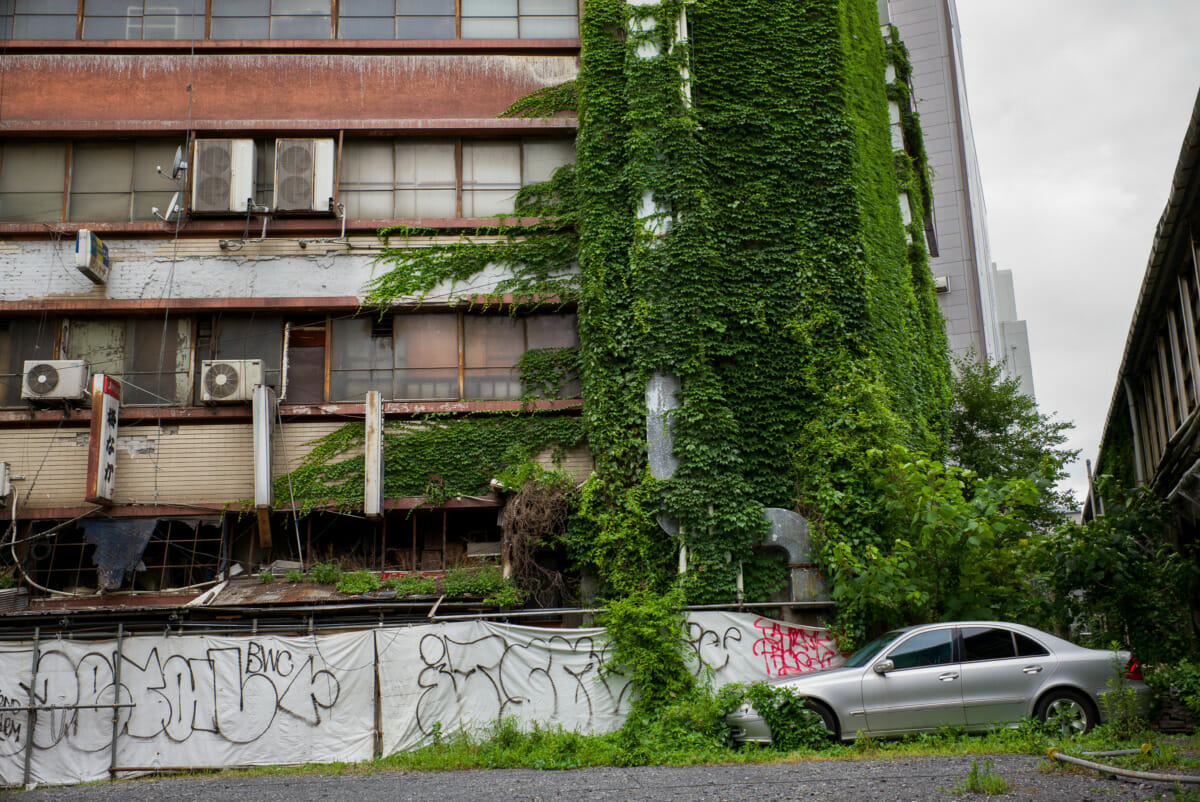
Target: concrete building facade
236, 159
976, 301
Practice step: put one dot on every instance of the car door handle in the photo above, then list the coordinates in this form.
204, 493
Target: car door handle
948, 677
1031, 669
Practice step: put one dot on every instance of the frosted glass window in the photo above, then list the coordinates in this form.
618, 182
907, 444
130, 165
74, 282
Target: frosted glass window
366, 27
271, 19
367, 179
491, 176
31, 180
426, 353
489, 27
101, 181
367, 8
492, 346
150, 188
120, 180
38, 19
143, 19
425, 179
424, 27
541, 157
362, 359
537, 27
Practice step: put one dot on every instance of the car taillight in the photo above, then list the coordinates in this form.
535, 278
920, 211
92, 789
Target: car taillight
1133, 670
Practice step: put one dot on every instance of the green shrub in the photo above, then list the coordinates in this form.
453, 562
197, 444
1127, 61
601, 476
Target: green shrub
411, 585
326, 573
265, 576
486, 581
1184, 678
358, 582
295, 576
793, 726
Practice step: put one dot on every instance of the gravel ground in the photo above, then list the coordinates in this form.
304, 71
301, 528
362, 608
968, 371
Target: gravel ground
899, 779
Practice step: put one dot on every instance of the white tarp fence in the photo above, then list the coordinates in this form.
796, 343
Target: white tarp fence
207, 701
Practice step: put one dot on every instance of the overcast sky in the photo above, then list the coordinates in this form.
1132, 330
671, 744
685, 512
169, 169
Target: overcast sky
1079, 109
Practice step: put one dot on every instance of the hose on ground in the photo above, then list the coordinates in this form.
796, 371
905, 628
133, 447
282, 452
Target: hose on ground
1057, 754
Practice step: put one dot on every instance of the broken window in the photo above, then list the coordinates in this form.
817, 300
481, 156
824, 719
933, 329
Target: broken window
305, 362
22, 339
150, 356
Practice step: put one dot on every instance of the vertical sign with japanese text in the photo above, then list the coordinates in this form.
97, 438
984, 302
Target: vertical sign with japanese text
102, 448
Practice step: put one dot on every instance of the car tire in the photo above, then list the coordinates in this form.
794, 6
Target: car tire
1070, 708
827, 718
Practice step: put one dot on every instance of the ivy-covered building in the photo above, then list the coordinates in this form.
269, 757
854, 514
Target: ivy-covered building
526, 235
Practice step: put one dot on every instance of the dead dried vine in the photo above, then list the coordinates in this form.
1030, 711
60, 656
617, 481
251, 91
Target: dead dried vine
532, 518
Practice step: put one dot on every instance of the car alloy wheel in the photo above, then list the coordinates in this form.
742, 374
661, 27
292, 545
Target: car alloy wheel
1067, 711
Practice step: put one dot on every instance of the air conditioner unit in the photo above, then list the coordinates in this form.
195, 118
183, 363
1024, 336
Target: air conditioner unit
303, 175
227, 381
222, 175
55, 380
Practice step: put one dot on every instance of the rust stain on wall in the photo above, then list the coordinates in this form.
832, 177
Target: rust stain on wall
76, 89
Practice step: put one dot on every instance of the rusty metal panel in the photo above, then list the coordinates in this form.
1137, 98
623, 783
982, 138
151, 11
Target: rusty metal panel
57, 91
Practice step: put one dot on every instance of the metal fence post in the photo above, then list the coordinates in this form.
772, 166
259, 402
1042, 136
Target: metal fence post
30, 718
116, 702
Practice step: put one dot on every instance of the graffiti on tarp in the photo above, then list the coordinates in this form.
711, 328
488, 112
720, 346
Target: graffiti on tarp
788, 650
535, 679
234, 692
710, 647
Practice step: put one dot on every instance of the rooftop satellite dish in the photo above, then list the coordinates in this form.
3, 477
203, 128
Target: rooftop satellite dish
179, 166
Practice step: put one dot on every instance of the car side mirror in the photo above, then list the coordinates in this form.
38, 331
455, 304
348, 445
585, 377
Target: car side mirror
884, 666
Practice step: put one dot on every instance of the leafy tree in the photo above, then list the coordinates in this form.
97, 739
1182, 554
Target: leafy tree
950, 546
1120, 578
997, 432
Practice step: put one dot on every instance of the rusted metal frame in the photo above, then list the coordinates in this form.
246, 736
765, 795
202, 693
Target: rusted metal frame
207, 33
462, 349
79, 20
1185, 406
337, 170
328, 356
378, 697
1154, 387
116, 711
333, 21
1170, 411
1189, 330
1147, 406
458, 19
68, 160
458, 176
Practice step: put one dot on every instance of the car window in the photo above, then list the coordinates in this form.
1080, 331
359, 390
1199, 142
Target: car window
987, 643
923, 649
1028, 647
863, 655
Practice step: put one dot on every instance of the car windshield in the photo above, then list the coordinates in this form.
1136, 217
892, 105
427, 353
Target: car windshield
863, 655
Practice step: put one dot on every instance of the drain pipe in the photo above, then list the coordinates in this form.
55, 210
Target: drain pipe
1057, 754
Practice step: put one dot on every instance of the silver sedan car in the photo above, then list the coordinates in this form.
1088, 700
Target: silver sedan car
971, 674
